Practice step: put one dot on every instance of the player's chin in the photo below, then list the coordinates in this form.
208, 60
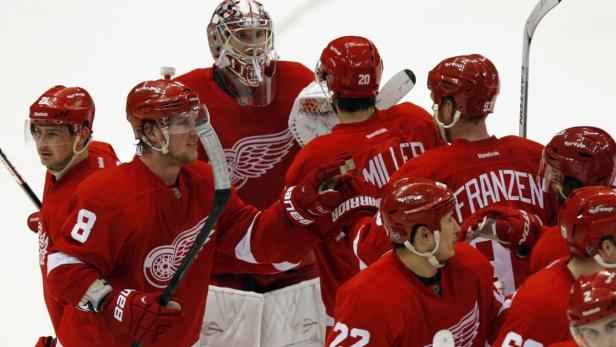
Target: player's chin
447, 253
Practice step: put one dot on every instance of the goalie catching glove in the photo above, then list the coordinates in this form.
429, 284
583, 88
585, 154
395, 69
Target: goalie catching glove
139, 315
515, 229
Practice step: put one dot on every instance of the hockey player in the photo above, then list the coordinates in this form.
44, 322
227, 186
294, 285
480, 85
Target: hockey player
428, 283
592, 311
538, 313
60, 123
575, 157
482, 170
130, 227
249, 94
349, 71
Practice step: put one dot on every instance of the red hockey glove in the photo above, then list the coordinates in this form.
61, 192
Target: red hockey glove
46, 341
515, 229
347, 213
138, 314
33, 221
320, 192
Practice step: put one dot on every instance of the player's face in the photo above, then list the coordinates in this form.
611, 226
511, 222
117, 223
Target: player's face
449, 231
250, 41
54, 144
601, 333
183, 139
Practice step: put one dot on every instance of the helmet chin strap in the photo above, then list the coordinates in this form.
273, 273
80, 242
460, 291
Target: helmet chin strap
603, 263
442, 126
164, 146
59, 173
430, 255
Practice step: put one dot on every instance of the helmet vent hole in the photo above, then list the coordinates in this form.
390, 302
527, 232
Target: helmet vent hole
585, 155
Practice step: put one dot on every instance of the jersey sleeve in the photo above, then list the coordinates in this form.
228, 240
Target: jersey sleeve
537, 315
265, 236
551, 246
368, 240
88, 247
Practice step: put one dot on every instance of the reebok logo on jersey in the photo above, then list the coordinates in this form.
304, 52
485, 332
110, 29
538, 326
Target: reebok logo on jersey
40, 114
600, 209
488, 155
353, 203
377, 132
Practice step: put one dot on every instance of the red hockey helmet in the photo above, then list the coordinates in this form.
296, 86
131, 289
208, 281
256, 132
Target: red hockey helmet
586, 218
63, 105
472, 80
350, 67
409, 202
159, 101
587, 154
592, 298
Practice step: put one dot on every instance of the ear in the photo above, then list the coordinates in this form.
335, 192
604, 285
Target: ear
607, 250
153, 133
84, 136
424, 239
446, 111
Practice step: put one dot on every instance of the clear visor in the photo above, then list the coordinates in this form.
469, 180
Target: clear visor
185, 122
41, 134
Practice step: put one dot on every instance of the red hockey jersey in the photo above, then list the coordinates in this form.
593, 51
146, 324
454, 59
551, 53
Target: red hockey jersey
133, 230
258, 144
550, 247
568, 343
55, 209
538, 310
387, 305
485, 173
378, 146
259, 148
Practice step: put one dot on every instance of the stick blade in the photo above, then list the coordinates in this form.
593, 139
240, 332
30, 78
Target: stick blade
541, 9
395, 89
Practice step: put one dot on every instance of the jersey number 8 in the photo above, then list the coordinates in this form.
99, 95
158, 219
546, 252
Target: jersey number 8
85, 222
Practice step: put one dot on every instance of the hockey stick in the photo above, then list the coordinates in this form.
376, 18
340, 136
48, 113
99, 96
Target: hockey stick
540, 10
222, 191
312, 114
26, 188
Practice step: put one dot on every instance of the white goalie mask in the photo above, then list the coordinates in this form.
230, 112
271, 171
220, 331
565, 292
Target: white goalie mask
241, 40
